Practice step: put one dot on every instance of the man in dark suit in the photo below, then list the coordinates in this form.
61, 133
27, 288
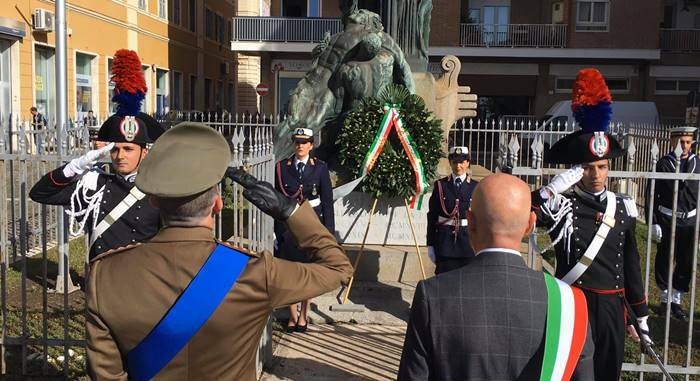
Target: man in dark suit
487, 319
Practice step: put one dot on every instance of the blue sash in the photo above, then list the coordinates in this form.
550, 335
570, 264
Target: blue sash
189, 313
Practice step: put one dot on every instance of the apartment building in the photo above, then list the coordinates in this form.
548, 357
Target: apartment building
183, 45
519, 56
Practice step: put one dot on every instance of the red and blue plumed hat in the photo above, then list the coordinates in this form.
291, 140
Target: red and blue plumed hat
591, 106
129, 124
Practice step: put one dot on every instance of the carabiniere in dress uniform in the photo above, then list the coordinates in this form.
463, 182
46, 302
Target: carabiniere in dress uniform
593, 229
107, 205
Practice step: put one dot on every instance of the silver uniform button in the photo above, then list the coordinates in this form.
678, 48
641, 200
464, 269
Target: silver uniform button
137, 218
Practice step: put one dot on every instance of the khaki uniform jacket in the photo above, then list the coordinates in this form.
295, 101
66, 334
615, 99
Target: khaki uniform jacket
129, 291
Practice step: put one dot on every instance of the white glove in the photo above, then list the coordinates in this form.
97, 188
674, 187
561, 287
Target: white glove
656, 232
78, 166
431, 253
644, 327
564, 180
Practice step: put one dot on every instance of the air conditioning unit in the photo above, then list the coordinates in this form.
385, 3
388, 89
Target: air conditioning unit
43, 20
558, 12
225, 68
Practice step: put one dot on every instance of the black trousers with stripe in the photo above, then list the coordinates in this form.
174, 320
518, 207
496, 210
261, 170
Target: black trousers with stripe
606, 315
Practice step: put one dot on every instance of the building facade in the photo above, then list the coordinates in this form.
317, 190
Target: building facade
520, 56
183, 45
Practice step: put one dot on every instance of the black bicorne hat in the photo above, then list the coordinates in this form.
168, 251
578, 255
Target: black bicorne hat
584, 147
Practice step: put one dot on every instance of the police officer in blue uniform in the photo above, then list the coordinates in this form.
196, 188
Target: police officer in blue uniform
447, 237
685, 220
302, 177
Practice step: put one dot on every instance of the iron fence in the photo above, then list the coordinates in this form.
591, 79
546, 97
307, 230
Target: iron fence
521, 147
513, 35
42, 329
680, 40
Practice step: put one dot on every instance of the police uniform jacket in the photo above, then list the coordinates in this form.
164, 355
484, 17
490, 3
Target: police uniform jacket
130, 289
616, 268
314, 186
663, 190
447, 211
138, 224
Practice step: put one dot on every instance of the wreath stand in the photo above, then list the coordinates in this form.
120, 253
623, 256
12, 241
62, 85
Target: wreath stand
346, 290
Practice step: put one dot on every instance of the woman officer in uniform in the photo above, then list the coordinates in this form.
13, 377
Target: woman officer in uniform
302, 178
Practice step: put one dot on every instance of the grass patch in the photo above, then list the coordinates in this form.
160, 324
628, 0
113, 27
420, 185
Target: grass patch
64, 316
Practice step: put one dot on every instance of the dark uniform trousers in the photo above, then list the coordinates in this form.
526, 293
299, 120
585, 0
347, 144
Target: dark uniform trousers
138, 224
446, 232
685, 226
615, 273
313, 185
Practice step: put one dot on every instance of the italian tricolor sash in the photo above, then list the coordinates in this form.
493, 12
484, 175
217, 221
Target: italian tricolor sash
567, 324
393, 119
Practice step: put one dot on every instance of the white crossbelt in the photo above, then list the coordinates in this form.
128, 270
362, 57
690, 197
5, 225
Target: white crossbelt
451, 221
124, 205
593, 249
669, 212
315, 202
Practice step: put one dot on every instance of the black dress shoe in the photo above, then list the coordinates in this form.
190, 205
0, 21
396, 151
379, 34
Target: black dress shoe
301, 328
678, 312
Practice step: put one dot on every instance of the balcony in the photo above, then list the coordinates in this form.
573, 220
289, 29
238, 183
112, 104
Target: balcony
284, 29
513, 35
680, 40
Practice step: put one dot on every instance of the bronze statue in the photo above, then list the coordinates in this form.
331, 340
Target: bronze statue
348, 66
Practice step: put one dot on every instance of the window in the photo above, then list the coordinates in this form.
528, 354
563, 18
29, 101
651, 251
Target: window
230, 30
111, 106
193, 92
146, 104
474, 16
219, 96
231, 95
142, 5
209, 24
592, 15
676, 86
176, 100
193, 16
161, 8
616, 85
5, 79
83, 84
175, 17
220, 29
207, 94
44, 81
162, 93
294, 8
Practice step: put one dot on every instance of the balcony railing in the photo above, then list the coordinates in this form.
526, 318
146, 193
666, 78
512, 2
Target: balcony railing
680, 40
513, 35
284, 29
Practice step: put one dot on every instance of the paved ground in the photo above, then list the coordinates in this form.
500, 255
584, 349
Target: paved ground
338, 352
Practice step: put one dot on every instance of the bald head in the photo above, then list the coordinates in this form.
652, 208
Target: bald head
500, 213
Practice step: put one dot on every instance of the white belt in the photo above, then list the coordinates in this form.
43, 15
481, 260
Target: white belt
669, 212
451, 221
592, 251
315, 202
129, 200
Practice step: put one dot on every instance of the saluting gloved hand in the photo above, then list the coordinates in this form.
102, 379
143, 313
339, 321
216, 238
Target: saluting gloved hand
78, 166
656, 233
564, 180
263, 195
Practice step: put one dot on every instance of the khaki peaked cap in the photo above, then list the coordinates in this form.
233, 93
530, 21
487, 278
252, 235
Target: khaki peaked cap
187, 159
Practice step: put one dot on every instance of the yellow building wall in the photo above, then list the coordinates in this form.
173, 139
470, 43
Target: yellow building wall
101, 27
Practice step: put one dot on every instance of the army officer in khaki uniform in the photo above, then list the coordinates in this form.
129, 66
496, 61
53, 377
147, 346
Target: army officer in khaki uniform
184, 306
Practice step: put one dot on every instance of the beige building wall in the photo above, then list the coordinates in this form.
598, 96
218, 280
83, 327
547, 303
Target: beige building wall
101, 27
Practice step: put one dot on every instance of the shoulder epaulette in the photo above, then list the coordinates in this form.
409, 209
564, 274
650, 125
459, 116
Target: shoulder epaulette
629, 203
115, 251
247, 252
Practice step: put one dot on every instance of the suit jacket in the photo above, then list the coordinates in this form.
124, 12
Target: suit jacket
663, 190
130, 290
484, 321
138, 224
447, 241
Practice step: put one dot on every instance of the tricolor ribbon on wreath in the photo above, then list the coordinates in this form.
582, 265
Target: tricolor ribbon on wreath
392, 118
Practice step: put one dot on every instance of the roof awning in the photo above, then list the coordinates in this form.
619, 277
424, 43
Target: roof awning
12, 28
